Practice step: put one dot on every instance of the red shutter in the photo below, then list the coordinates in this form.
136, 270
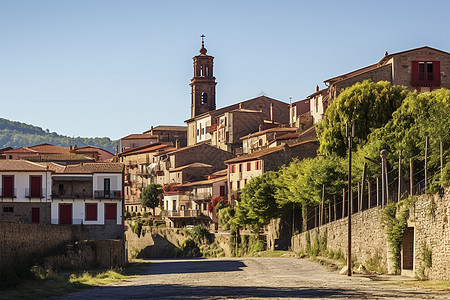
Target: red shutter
35, 185
415, 73
91, 211
437, 72
249, 166
110, 211
35, 214
222, 191
65, 214
8, 186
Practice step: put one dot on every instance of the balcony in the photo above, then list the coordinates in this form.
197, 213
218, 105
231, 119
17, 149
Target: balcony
200, 197
192, 213
35, 193
8, 193
107, 194
71, 195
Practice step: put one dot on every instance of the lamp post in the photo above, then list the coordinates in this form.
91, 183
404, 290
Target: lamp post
350, 134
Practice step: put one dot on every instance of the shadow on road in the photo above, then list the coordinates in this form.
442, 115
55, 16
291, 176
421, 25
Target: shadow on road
174, 291
194, 266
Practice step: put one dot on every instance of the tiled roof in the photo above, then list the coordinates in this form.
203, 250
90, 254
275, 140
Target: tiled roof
49, 149
204, 182
232, 107
87, 168
306, 133
351, 74
274, 129
144, 149
256, 154
20, 150
58, 157
54, 167
138, 136
193, 165
220, 173
20, 165
168, 128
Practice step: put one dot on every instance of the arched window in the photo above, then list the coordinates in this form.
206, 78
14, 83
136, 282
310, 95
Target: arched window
206, 71
204, 98
201, 71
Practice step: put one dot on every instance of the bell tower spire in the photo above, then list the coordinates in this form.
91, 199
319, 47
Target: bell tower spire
203, 84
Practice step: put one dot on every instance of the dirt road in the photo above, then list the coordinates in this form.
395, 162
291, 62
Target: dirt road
249, 278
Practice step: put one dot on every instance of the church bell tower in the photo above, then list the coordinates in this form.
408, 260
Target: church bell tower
203, 84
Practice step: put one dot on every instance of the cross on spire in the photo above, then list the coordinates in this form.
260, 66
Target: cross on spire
203, 40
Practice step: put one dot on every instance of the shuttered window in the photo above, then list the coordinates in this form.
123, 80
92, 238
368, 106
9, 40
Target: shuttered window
91, 211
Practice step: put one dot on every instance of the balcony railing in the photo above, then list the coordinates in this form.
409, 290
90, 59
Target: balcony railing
200, 197
35, 193
107, 194
182, 213
8, 193
71, 195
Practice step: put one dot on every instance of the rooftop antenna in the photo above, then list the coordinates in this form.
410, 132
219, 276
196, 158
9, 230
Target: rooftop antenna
203, 40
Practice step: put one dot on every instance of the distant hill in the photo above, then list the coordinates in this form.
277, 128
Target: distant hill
17, 134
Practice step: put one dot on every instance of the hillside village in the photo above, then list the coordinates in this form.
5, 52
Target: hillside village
93, 194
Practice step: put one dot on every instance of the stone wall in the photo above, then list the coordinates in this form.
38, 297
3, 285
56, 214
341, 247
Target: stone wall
428, 229
21, 212
23, 244
368, 237
430, 218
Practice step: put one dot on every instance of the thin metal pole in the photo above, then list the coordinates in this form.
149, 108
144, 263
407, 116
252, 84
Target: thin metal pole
411, 177
378, 191
426, 163
350, 135
399, 175
362, 183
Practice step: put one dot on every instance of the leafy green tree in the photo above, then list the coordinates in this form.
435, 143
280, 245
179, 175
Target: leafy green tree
151, 195
370, 105
257, 205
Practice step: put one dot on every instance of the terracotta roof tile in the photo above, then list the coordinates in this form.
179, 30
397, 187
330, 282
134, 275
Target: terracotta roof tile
274, 129
204, 182
168, 128
87, 168
20, 165
193, 165
256, 154
138, 136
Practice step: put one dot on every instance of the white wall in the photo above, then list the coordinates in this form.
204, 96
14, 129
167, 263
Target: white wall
168, 202
201, 124
22, 182
78, 211
115, 180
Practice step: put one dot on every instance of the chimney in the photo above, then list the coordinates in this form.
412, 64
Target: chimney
271, 112
177, 144
151, 130
240, 105
317, 88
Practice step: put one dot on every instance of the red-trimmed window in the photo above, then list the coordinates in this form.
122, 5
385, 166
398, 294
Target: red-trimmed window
222, 191
91, 211
426, 73
110, 211
35, 186
257, 165
249, 166
8, 185
233, 168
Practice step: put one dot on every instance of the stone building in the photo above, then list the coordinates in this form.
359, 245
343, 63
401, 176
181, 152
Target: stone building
170, 134
261, 139
423, 69
243, 168
223, 127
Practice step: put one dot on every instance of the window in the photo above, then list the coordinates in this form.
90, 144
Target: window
426, 73
201, 71
222, 191
238, 184
91, 211
249, 166
198, 132
204, 98
110, 211
8, 209
8, 186
240, 168
232, 168
107, 187
203, 131
35, 186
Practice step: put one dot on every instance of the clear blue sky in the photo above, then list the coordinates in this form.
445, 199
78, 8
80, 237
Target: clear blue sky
112, 68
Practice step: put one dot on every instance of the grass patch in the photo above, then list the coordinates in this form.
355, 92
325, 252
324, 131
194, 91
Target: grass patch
46, 284
434, 285
274, 253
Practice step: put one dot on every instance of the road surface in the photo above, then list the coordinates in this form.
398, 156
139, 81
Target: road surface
249, 278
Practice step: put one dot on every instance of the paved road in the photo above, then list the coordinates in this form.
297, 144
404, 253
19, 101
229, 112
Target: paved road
249, 278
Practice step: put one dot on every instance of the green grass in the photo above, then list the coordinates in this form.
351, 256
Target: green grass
434, 285
46, 284
273, 253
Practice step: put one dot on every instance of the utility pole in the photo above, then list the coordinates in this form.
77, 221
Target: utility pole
384, 183
350, 134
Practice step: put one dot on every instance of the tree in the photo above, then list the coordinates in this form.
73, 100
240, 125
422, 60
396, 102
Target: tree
370, 105
257, 205
151, 196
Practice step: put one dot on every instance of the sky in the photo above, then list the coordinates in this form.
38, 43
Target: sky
111, 68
